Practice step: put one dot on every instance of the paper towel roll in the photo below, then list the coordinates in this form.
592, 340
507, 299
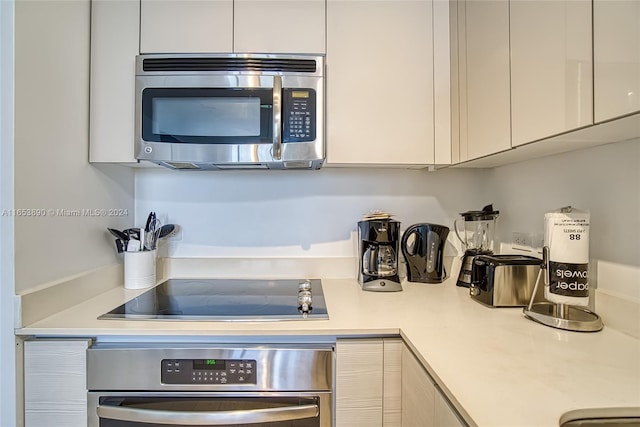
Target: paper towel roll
566, 234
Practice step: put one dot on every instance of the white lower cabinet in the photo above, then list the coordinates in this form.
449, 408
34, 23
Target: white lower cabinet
368, 382
443, 414
423, 404
55, 390
379, 382
418, 392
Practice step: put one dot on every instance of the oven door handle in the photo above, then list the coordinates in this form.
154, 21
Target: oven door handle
185, 418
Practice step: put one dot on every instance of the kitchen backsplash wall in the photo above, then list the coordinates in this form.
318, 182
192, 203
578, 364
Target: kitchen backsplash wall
314, 213
604, 180
296, 213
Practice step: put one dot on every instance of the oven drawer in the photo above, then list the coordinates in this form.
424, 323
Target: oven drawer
157, 409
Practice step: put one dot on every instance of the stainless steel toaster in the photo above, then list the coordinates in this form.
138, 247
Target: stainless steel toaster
504, 280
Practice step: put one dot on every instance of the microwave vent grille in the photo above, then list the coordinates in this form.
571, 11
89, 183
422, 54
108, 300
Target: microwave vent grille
230, 64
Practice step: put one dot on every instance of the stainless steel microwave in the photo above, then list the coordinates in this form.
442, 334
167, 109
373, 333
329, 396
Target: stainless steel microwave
230, 111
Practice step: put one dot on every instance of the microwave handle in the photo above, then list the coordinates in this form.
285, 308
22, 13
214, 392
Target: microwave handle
277, 118
182, 418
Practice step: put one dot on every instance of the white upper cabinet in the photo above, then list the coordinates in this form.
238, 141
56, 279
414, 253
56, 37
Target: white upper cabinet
616, 58
279, 26
380, 82
551, 68
264, 26
115, 31
483, 42
186, 26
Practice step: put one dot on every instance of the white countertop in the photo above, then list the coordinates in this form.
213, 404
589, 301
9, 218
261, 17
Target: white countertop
502, 369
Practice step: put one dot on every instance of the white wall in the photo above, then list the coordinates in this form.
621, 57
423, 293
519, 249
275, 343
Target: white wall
314, 213
7, 339
296, 213
604, 180
52, 172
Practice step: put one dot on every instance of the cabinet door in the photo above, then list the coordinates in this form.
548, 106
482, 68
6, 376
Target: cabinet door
444, 414
55, 391
418, 392
115, 27
279, 26
380, 82
186, 26
616, 42
392, 382
359, 382
551, 68
485, 115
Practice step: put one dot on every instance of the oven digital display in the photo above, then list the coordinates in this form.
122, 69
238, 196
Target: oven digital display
208, 371
210, 364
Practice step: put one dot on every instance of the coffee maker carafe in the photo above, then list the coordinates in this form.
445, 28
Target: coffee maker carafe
476, 237
378, 255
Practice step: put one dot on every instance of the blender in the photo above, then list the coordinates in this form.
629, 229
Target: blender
476, 238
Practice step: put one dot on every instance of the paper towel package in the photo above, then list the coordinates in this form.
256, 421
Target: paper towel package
566, 233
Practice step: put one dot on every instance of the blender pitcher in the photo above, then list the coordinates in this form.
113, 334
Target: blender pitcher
476, 237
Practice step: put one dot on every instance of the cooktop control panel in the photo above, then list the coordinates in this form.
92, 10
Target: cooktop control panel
208, 371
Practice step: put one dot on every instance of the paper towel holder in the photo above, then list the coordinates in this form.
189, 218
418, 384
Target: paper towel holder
560, 316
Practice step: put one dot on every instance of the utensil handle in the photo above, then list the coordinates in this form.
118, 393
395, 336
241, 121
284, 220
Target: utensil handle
403, 242
277, 118
455, 228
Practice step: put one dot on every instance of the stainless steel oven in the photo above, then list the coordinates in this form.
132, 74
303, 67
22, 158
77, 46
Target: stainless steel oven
153, 385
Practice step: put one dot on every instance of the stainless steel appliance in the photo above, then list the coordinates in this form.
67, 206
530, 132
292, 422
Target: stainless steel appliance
378, 255
476, 237
230, 111
504, 280
423, 249
227, 300
153, 385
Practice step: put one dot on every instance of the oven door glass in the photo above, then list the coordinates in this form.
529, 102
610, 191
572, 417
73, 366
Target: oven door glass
130, 411
207, 115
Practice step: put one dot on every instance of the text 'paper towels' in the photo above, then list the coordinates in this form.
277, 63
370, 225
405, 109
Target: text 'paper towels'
566, 234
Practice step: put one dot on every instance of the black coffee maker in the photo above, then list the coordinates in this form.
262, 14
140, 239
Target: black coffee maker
378, 255
423, 249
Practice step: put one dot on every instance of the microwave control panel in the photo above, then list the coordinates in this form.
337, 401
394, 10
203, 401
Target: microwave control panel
299, 115
208, 371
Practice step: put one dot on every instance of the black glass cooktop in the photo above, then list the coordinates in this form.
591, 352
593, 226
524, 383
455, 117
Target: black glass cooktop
223, 299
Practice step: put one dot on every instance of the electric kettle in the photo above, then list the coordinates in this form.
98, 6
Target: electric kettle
423, 248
